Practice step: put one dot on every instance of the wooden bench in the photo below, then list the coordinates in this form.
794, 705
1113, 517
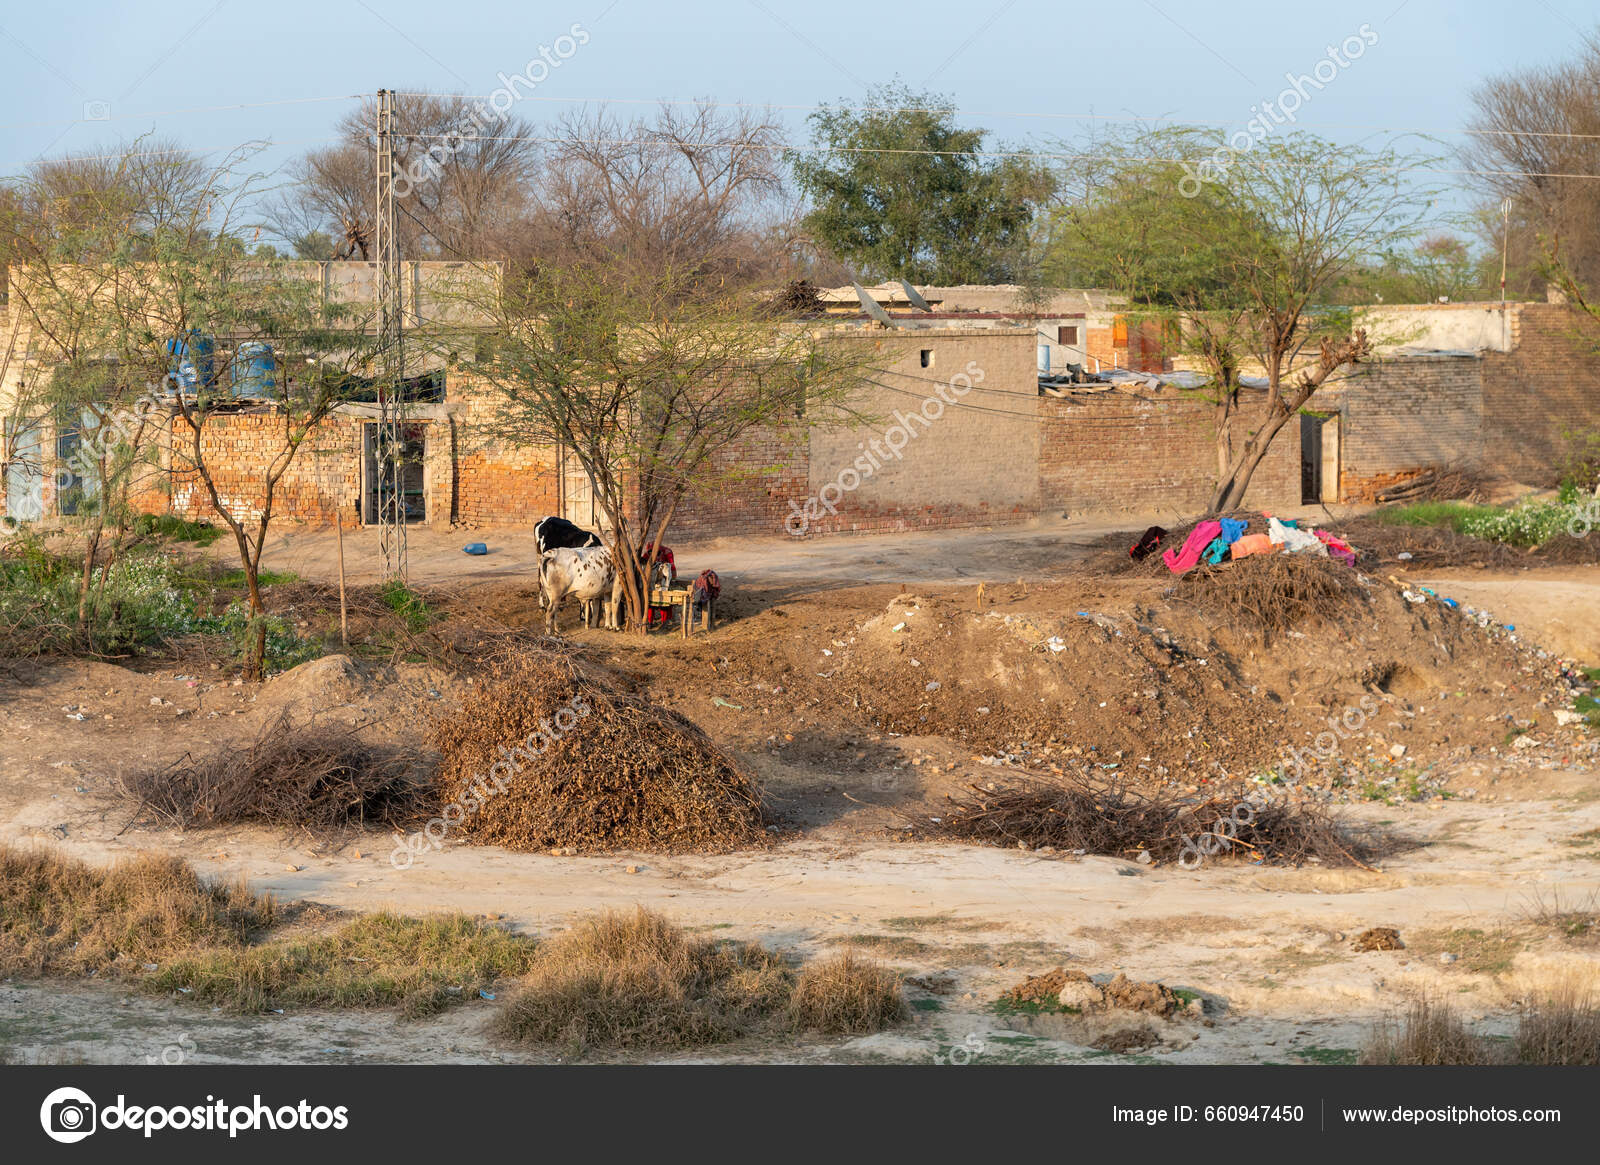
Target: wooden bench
682, 597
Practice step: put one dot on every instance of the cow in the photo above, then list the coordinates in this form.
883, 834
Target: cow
555, 533
588, 574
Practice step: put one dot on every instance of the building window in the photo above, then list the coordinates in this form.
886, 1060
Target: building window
1066, 334
927, 357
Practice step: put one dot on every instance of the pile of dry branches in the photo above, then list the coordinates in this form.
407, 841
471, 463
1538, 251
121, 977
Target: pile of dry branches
1111, 818
1452, 483
543, 755
1270, 593
320, 777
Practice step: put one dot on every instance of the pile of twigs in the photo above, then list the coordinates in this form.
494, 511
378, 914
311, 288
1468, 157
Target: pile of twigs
1270, 593
1114, 819
322, 778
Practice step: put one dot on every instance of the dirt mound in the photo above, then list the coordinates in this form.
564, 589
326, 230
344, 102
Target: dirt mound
317, 685
1044, 988
1379, 938
1079, 991
543, 755
1128, 678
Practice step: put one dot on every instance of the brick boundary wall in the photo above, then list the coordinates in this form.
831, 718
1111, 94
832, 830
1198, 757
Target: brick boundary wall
1543, 395
1401, 416
1117, 452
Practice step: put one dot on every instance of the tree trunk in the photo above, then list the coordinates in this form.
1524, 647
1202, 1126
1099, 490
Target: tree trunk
1231, 489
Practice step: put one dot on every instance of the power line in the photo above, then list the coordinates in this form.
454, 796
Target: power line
1131, 118
1016, 154
194, 109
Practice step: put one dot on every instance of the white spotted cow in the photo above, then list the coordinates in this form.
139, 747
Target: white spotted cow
588, 574
554, 533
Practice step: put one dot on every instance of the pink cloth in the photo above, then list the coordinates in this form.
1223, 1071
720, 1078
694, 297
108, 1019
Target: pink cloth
1337, 547
1180, 560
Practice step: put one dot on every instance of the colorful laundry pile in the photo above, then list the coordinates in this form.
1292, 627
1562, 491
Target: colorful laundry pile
1212, 541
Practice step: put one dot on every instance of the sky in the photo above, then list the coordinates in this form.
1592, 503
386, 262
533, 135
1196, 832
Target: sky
219, 73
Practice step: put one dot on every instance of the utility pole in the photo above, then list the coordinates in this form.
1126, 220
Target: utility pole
390, 445
1505, 237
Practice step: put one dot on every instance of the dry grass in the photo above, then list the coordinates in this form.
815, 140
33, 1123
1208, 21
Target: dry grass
636, 981
621, 773
1113, 818
1428, 1033
321, 778
61, 917
1561, 1028
1271, 593
846, 995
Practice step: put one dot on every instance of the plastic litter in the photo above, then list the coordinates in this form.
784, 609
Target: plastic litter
475, 548
721, 703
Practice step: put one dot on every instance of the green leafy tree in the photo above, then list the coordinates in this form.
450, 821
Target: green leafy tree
1239, 266
898, 190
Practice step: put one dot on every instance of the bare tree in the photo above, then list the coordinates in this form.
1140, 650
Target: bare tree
1537, 139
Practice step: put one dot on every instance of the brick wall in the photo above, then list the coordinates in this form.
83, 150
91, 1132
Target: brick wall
1402, 415
1538, 397
955, 443
1117, 452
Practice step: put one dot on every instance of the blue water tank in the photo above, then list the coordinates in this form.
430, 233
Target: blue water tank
191, 360
255, 372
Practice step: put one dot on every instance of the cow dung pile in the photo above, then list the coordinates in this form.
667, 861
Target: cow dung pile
543, 755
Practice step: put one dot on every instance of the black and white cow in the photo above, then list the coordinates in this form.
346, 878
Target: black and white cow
555, 533
588, 574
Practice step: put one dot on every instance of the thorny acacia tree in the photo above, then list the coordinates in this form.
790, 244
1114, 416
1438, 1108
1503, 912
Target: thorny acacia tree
1242, 269
69, 228
176, 264
651, 381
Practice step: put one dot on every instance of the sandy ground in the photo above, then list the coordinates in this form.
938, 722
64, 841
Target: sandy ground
1268, 949
1032, 550
1559, 609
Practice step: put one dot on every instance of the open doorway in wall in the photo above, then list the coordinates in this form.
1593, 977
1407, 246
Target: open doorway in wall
378, 477
1319, 459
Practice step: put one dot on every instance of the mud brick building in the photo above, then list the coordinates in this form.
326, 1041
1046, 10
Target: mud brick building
966, 419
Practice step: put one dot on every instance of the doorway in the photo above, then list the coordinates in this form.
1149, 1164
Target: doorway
378, 459
1319, 459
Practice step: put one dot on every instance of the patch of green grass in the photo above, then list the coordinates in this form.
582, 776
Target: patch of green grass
1453, 515
926, 1005
407, 603
892, 945
1316, 1055
1006, 1006
421, 965
233, 580
178, 529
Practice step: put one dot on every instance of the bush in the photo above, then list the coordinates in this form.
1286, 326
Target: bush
138, 601
178, 529
405, 602
285, 648
1531, 523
